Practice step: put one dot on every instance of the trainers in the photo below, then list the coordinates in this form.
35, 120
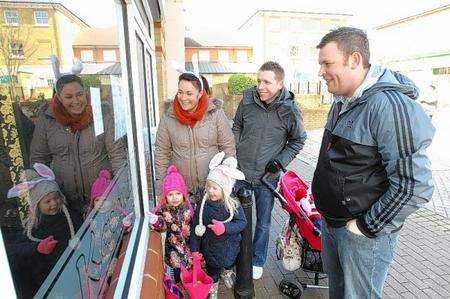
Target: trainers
214, 290
228, 278
257, 272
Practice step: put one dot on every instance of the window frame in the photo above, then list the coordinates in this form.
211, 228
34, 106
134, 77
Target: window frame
82, 57
36, 23
202, 54
220, 55
113, 51
7, 20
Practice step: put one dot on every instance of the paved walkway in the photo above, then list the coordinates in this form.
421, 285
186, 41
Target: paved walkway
421, 267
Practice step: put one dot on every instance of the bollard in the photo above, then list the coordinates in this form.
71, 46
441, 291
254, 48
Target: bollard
243, 287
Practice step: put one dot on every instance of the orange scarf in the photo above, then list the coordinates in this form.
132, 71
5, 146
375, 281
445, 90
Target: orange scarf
64, 118
190, 119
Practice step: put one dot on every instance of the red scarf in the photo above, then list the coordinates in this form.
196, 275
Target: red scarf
190, 119
64, 118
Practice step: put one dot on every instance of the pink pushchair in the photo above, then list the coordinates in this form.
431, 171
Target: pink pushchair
291, 188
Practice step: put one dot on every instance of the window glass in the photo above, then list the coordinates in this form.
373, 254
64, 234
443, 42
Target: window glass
11, 17
224, 56
203, 55
242, 56
109, 55
41, 17
87, 55
71, 138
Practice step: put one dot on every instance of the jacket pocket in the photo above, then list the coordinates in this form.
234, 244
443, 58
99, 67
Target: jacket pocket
355, 193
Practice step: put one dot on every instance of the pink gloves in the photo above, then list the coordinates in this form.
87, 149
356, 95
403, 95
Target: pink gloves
127, 222
217, 227
47, 245
153, 219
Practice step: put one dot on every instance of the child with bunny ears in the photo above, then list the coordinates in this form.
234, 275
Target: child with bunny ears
173, 215
48, 229
218, 221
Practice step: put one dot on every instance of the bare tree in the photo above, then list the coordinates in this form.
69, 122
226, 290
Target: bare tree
16, 47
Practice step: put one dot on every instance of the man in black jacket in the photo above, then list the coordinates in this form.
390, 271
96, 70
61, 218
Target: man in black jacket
269, 133
373, 170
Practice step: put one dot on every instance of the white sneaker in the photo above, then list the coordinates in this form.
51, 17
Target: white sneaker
257, 272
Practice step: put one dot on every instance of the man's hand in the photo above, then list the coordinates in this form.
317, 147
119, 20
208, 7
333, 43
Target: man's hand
353, 227
273, 166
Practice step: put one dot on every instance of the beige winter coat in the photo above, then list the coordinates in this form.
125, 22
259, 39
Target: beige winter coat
191, 149
76, 158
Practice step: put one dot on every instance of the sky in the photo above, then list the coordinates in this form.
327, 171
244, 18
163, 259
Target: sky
217, 15
208, 15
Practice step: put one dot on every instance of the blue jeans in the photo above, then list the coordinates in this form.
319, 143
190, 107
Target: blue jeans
264, 200
356, 266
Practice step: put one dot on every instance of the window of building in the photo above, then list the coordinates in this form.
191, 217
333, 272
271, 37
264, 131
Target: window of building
41, 17
87, 55
294, 51
242, 56
203, 55
274, 24
16, 49
11, 17
224, 56
109, 55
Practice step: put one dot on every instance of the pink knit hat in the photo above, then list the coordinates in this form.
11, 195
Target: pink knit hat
100, 184
98, 188
174, 181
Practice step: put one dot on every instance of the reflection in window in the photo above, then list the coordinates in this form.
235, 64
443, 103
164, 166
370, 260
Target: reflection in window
89, 162
16, 49
11, 17
41, 17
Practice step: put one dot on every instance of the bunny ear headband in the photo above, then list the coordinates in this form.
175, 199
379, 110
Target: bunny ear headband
227, 166
76, 68
46, 175
179, 68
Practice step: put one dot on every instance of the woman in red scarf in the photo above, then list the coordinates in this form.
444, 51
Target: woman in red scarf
191, 132
64, 138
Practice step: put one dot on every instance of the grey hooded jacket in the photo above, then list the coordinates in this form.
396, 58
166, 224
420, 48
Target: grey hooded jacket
266, 133
372, 164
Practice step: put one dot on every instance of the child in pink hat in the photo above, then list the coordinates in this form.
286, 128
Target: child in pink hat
173, 215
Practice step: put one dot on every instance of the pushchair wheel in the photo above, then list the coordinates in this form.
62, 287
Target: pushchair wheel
290, 289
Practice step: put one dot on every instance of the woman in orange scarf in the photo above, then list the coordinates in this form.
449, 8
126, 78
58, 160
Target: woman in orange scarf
191, 132
64, 138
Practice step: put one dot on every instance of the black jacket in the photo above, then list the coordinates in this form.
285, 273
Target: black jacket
29, 267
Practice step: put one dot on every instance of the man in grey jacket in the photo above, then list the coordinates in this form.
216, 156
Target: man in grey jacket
373, 171
269, 133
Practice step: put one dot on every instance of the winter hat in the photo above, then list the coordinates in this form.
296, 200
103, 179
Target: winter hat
174, 181
99, 187
37, 183
224, 173
100, 184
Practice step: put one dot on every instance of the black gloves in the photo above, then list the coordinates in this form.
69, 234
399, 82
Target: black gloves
274, 166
